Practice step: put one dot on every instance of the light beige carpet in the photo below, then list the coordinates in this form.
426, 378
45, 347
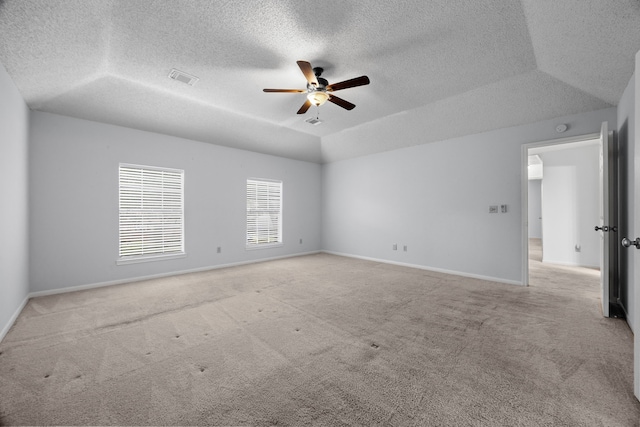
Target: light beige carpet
321, 340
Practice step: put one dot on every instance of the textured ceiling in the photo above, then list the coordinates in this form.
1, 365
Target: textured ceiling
492, 63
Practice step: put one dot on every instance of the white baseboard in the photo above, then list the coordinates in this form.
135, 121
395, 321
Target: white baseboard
569, 264
160, 275
437, 270
13, 318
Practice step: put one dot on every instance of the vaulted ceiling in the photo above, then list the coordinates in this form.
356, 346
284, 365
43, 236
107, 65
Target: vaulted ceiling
520, 61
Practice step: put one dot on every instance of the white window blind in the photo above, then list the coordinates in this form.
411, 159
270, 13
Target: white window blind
264, 212
151, 212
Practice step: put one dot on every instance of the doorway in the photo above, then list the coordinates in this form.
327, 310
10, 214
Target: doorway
580, 193
559, 229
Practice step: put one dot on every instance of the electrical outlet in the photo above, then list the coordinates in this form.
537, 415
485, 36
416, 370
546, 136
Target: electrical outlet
503, 208
405, 248
300, 241
493, 209
219, 249
395, 247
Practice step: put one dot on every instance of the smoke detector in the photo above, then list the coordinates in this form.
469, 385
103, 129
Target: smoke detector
183, 77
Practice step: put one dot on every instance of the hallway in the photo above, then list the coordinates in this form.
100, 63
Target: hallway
562, 278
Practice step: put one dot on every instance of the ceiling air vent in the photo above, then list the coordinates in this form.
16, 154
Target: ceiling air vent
313, 121
183, 77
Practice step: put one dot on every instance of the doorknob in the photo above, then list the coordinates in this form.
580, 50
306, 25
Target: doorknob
626, 242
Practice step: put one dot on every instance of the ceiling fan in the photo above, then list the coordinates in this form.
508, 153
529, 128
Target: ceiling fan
319, 90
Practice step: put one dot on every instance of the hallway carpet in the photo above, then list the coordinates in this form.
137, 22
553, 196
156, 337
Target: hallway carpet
321, 340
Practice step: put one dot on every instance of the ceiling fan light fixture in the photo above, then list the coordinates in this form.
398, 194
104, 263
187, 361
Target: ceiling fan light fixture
318, 97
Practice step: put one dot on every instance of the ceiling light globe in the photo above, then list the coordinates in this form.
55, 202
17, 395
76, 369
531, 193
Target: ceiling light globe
318, 97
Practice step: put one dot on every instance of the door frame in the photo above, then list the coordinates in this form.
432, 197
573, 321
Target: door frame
524, 190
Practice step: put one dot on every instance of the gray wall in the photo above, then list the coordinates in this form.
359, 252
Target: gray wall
535, 208
435, 199
74, 201
570, 206
626, 182
14, 214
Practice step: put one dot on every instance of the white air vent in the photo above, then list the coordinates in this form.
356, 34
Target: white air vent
313, 121
183, 77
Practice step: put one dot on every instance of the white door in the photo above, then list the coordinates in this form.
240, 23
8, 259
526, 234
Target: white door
636, 227
604, 219
636, 258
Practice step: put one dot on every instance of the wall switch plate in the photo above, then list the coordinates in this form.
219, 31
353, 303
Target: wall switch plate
219, 249
300, 241
405, 248
395, 247
503, 208
493, 209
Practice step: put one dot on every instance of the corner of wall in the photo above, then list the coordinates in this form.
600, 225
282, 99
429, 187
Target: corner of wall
14, 222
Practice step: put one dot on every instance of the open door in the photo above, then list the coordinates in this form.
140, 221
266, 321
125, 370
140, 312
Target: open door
603, 226
609, 292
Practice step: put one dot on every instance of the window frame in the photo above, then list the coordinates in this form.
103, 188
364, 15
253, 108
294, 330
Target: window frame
153, 255
280, 239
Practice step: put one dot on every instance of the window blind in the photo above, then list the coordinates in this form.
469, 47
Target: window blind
151, 211
264, 212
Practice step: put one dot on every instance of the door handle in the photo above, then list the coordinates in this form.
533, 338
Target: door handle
626, 242
603, 228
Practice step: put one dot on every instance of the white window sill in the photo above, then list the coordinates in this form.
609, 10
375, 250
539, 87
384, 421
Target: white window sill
149, 258
264, 246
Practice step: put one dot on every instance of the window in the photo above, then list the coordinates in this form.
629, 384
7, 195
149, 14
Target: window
264, 213
151, 213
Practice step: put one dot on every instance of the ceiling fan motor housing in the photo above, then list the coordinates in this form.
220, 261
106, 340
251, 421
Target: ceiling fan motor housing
322, 85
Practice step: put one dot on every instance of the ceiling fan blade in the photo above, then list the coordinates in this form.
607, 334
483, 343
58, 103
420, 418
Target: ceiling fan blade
341, 102
304, 107
307, 70
284, 90
358, 81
